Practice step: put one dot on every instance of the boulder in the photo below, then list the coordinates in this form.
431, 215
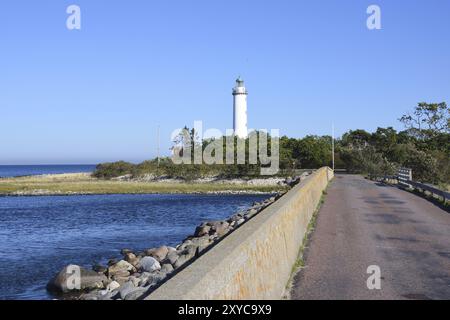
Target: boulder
112, 261
166, 268
149, 264
136, 281
201, 241
112, 286
126, 288
67, 280
186, 255
145, 278
172, 257
202, 230
131, 258
121, 269
120, 279
125, 251
99, 268
136, 294
221, 228
158, 253
184, 245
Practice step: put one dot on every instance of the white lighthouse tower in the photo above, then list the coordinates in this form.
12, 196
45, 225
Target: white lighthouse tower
240, 109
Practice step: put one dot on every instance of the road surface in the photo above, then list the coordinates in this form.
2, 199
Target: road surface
363, 223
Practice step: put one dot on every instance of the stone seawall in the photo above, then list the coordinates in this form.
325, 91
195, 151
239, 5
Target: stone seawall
255, 261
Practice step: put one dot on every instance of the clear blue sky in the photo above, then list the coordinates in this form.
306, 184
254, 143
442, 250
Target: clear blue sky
98, 94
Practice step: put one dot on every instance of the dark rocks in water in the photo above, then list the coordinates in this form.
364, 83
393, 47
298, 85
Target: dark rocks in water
75, 278
134, 276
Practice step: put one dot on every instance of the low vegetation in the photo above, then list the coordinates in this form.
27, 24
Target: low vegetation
85, 184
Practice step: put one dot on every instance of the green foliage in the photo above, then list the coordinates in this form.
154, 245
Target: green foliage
428, 119
114, 169
424, 147
314, 152
367, 161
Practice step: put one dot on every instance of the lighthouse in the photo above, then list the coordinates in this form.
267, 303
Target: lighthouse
240, 109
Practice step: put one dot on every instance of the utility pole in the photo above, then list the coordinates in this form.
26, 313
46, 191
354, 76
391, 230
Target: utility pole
332, 145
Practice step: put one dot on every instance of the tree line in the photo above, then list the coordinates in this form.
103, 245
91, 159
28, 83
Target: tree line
423, 146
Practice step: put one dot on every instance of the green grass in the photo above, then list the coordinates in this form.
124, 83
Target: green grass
84, 184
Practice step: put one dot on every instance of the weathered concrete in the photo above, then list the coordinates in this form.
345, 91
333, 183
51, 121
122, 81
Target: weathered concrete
256, 260
364, 223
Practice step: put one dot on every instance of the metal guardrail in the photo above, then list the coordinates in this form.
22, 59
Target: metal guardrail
424, 187
405, 179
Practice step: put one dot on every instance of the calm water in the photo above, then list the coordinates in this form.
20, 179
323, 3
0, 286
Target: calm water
17, 171
40, 235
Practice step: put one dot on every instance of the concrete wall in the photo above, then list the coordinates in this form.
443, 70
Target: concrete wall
255, 261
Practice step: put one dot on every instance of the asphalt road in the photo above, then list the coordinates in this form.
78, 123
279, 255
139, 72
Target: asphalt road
363, 223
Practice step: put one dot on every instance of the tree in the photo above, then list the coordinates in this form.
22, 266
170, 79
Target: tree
356, 139
428, 119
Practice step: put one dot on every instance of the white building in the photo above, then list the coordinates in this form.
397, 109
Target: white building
240, 109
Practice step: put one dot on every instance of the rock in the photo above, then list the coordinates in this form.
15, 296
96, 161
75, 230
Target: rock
184, 245
201, 248
181, 260
145, 277
136, 294
149, 264
90, 296
239, 222
126, 288
167, 268
201, 241
136, 281
172, 257
219, 227
187, 255
99, 269
65, 281
250, 213
202, 230
121, 269
111, 262
157, 278
159, 253
120, 279
125, 251
112, 286
131, 258
235, 217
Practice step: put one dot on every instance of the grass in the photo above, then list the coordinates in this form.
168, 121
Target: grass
85, 184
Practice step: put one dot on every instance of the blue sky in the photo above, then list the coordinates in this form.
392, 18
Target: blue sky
99, 93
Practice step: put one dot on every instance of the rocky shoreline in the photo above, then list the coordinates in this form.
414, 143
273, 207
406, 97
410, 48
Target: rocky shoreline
137, 274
